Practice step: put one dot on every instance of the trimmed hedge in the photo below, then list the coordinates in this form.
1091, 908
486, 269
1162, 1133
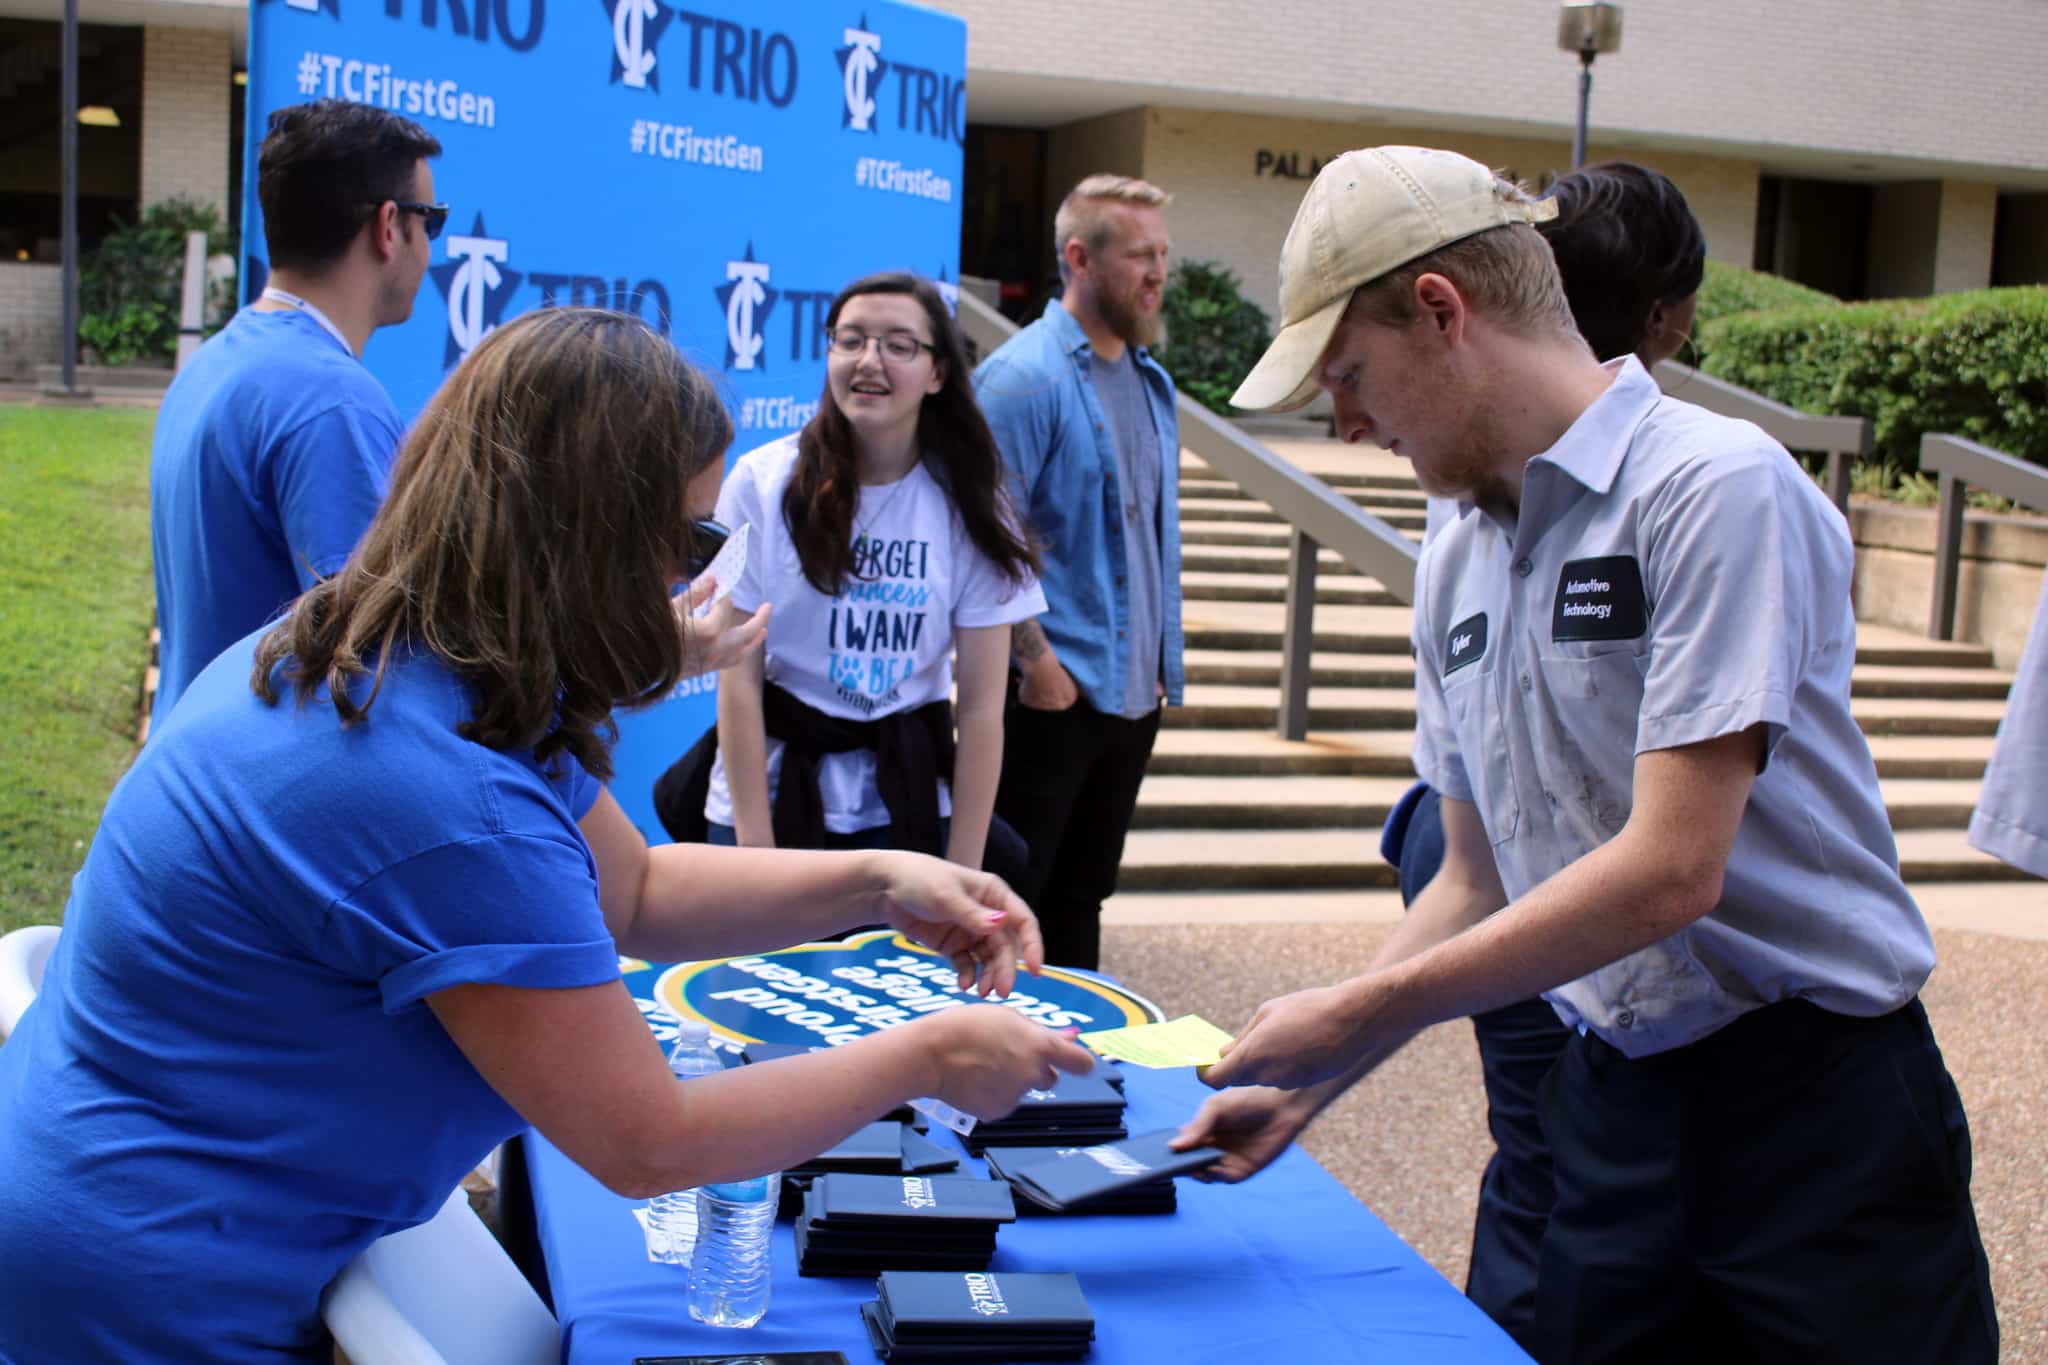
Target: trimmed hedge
1214, 334
1972, 364
1729, 289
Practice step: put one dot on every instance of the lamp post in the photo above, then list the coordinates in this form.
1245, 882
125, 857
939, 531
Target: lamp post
1589, 28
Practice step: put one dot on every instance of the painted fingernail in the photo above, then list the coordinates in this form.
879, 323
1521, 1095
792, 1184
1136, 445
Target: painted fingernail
994, 916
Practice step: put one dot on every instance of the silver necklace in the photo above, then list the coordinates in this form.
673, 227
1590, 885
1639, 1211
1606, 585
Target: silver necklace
860, 533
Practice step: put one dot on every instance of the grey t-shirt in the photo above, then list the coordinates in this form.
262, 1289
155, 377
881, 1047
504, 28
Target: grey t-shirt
1121, 391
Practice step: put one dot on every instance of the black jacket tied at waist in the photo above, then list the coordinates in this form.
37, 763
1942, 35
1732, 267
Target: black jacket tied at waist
913, 750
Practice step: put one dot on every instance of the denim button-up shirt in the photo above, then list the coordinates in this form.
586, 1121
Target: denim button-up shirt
1040, 402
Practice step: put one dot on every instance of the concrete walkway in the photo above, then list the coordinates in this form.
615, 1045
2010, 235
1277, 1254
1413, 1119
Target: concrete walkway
1411, 1139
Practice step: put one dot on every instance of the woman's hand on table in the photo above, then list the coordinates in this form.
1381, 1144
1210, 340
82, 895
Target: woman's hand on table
968, 916
1252, 1126
987, 1056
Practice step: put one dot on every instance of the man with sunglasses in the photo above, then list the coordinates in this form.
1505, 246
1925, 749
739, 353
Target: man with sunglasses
274, 442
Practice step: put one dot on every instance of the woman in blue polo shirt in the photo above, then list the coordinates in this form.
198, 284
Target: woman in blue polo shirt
355, 915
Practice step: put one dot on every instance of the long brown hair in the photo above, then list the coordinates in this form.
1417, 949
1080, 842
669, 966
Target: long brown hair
535, 523
952, 436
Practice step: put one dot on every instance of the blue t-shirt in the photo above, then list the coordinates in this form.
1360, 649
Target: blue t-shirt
230, 1084
273, 447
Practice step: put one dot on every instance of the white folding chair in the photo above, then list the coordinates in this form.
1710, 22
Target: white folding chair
443, 1293
23, 955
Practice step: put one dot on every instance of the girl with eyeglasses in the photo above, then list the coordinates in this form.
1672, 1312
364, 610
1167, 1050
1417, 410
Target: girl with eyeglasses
884, 537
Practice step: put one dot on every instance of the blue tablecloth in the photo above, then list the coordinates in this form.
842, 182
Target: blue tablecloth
1287, 1267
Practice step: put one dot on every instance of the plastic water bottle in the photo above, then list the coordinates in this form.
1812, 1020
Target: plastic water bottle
672, 1218
729, 1270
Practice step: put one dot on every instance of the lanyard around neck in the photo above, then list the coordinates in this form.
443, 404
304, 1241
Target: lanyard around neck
276, 295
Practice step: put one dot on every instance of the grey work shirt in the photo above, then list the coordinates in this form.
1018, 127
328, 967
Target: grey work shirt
2011, 821
1673, 576
1129, 414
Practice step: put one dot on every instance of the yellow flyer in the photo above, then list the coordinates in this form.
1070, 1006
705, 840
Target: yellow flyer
1189, 1040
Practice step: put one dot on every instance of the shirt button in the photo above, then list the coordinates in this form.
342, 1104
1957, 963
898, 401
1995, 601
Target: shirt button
1550, 796
1523, 568
1527, 682
1625, 1017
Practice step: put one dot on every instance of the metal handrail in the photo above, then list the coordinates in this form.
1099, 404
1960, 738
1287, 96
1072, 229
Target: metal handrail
1841, 439
1955, 462
1320, 516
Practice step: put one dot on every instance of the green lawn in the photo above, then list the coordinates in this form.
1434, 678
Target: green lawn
75, 595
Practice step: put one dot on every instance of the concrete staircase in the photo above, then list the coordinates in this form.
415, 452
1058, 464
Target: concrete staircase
1233, 816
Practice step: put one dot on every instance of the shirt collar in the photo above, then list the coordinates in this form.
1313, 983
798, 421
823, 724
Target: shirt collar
1073, 339
1592, 448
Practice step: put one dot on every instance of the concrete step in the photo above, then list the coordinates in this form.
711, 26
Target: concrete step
1944, 855
1219, 526
1266, 559
1363, 803
1409, 498
1252, 859
1391, 473
1222, 705
1214, 754
1326, 859
2012, 909
1362, 629
1261, 668
1332, 589
1935, 756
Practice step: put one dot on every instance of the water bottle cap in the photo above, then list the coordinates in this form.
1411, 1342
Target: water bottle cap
693, 1030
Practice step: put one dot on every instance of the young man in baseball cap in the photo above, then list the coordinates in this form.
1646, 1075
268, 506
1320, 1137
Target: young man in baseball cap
1633, 648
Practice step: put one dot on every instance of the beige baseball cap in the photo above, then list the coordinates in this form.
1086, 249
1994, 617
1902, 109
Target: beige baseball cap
1367, 213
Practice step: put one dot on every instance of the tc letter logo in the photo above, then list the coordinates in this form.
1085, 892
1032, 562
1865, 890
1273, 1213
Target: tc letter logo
860, 62
636, 28
748, 300
475, 288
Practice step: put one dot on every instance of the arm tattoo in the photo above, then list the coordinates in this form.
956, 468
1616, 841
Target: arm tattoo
1027, 640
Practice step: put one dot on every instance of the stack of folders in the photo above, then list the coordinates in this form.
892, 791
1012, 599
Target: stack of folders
884, 1147
855, 1224
1006, 1316
1077, 1112
1129, 1177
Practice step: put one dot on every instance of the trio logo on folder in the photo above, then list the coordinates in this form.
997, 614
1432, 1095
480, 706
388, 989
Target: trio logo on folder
918, 1194
984, 1297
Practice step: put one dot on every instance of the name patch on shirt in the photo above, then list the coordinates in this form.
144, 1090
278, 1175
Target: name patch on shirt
1600, 599
1465, 644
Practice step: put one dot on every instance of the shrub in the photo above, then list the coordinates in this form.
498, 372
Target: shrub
130, 286
1214, 334
1729, 289
1974, 364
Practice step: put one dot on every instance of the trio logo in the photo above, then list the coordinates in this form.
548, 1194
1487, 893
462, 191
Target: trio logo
861, 67
747, 301
636, 28
475, 18
474, 288
931, 103
750, 64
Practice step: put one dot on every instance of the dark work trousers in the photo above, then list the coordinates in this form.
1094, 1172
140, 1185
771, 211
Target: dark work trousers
1518, 1045
1069, 785
1793, 1187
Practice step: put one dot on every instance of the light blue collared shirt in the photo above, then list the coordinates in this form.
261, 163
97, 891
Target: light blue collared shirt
2011, 821
1673, 576
1040, 401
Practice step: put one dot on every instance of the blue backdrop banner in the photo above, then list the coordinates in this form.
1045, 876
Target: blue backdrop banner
720, 170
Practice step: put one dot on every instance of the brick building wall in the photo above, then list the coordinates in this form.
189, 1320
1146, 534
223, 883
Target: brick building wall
186, 75
1955, 81
31, 315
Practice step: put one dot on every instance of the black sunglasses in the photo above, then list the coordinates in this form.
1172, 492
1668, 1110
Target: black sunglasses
433, 217
707, 538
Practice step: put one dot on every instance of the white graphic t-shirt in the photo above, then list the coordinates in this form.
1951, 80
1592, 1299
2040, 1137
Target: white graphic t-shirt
884, 643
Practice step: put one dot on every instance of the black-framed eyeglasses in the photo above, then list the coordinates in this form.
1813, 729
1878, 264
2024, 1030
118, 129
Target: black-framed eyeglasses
897, 346
707, 538
433, 217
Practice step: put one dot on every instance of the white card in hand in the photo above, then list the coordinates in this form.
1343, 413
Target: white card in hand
726, 568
